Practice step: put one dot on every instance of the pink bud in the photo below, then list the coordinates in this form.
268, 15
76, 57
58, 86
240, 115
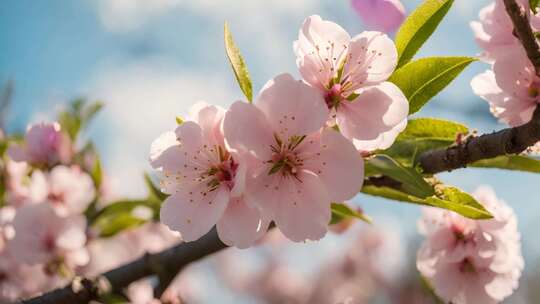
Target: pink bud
380, 15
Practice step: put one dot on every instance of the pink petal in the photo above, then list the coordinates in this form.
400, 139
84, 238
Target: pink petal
192, 213
209, 119
373, 58
17, 153
514, 73
300, 208
246, 129
241, 225
339, 166
375, 117
292, 107
162, 143
319, 50
380, 15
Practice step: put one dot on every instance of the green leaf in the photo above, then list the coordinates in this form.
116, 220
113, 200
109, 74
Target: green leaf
119, 216
421, 135
411, 180
78, 116
510, 162
432, 128
154, 191
342, 212
424, 78
534, 5
238, 65
97, 172
418, 27
449, 198
460, 202
179, 120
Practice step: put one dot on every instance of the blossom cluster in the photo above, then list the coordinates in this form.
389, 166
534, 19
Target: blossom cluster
469, 261
286, 157
511, 86
45, 233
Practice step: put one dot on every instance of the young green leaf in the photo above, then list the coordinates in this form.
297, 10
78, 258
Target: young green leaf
432, 128
449, 198
238, 65
411, 180
460, 202
510, 162
119, 216
153, 191
422, 79
418, 27
341, 212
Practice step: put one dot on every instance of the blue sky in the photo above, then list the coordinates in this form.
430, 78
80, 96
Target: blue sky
149, 60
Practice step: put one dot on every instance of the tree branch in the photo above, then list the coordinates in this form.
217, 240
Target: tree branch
522, 29
83, 290
507, 141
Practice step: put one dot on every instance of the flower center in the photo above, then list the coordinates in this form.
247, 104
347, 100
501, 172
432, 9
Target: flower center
222, 173
285, 159
466, 266
56, 198
534, 90
333, 96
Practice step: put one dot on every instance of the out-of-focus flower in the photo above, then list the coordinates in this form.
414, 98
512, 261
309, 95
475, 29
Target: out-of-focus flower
44, 237
206, 182
468, 261
44, 144
141, 292
128, 246
299, 169
494, 31
380, 15
20, 280
68, 189
351, 75
17, 183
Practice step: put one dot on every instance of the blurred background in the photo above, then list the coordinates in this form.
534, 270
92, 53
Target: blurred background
149, 60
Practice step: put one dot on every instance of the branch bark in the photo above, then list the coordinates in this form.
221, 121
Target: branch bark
507, 141
83, 290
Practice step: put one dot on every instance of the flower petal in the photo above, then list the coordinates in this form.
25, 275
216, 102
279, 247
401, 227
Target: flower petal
241, 225
372, 59
292, 107
246, 129
192, 213
339, 165
320, 48
375, 118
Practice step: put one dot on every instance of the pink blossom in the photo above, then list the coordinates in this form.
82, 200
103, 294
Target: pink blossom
43, 237
468, 261
299, 167
141, 292
44, 144
494, 31
380, 15
206, 182
128, 246
68, 189
17, 183
512, 88
20, 280
351, 74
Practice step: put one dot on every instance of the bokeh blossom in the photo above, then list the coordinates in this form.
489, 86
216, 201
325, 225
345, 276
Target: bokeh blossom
468, 261
380, 15
45, 144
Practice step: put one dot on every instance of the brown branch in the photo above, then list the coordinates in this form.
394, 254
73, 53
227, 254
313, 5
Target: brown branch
507, 141
522, 29
83, 290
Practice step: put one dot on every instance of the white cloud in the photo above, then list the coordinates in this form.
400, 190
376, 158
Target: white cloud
127, 15
142, 101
